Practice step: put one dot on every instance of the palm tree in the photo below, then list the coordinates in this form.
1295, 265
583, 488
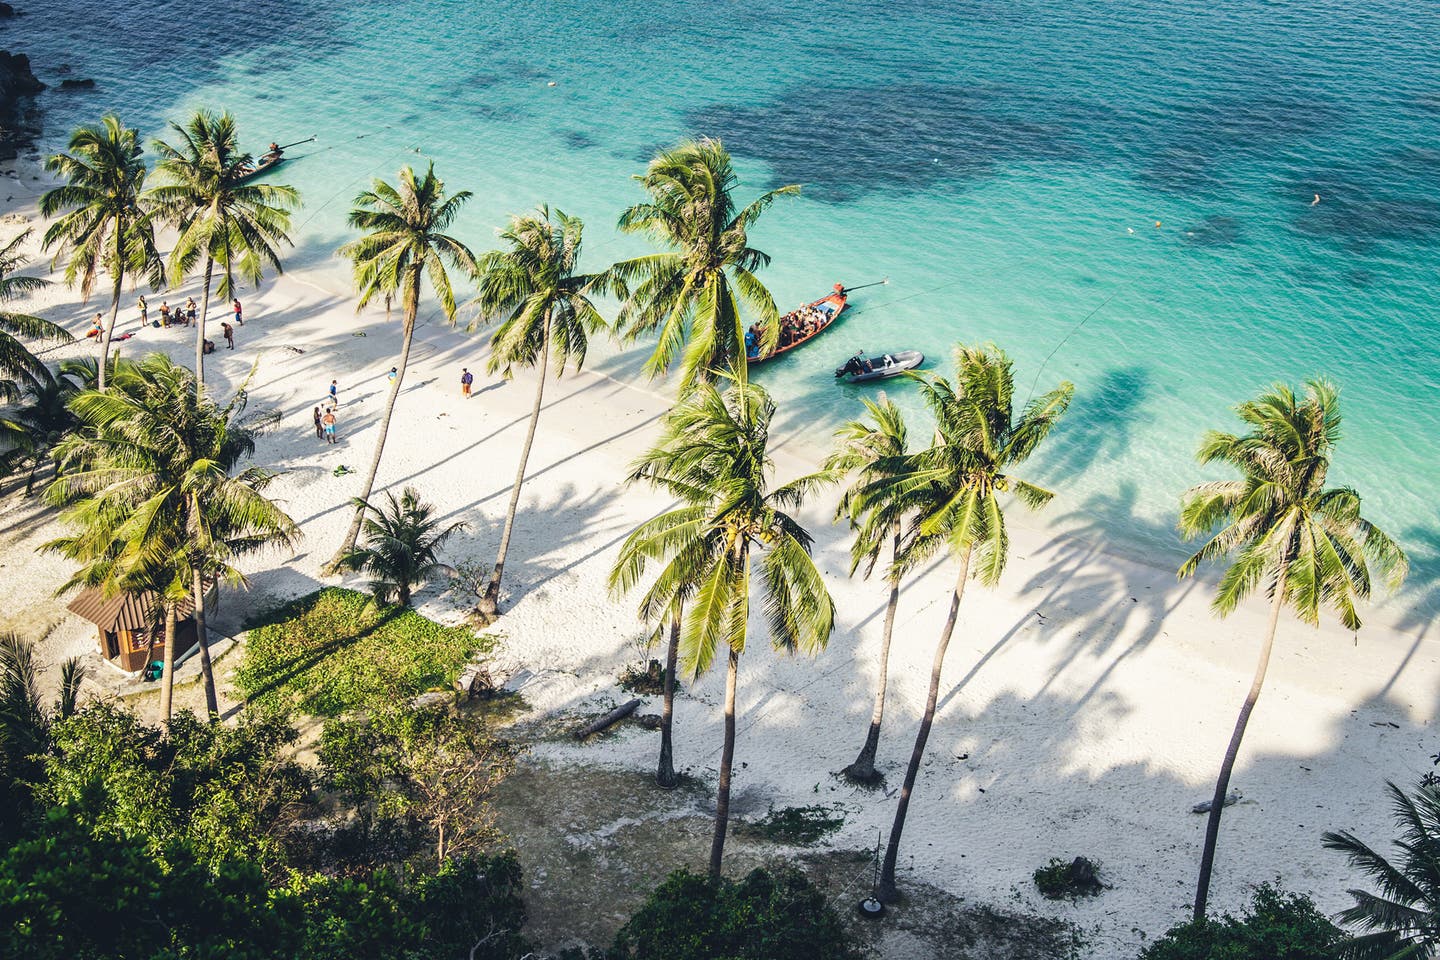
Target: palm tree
25, 725
1402, 920
867, 449
151, 483
547, 316
105, 226
222, 219
1304, 543
401, 542
664, 604
19, 368
954, 489
404, 240
692, 294
42, 418
712, 456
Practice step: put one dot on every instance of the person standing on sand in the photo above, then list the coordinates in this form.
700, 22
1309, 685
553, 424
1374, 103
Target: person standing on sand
328, 421
229, 333
466, 380
394, 372
238, 321
319, 429
144, 309
192, 312
165, 313
334, 394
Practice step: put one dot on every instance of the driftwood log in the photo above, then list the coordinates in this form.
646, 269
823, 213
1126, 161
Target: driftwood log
609, 720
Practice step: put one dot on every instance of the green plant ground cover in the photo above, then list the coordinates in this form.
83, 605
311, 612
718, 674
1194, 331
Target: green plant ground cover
334, 650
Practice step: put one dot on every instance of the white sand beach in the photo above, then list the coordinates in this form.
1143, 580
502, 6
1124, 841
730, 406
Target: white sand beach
1086, 701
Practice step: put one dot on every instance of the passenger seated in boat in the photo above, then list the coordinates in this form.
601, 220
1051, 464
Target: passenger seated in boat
866, 365
274, 154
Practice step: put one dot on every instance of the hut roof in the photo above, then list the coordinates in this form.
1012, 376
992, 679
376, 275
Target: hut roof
125, 611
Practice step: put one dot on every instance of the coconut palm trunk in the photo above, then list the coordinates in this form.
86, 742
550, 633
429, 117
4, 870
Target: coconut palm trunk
489, 604
407, 337
863, 769
886, 890
108, 334
202, 636
665, 771
727, 759
167, 677
200, 332
1222, 782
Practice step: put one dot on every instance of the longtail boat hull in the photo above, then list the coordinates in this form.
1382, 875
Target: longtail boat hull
828, 308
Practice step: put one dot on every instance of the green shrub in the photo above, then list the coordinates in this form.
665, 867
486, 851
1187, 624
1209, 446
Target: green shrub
1278, 926
1067, 880
797, 826
334, 650
765, 916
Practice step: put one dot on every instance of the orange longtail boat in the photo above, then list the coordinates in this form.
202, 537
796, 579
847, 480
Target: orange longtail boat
820, 314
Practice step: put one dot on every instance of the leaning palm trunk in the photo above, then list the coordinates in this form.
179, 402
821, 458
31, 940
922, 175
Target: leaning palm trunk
863, 769
885, 890
727, 758
200, 332
358, 520
489, 604
665, 771
167, 678
202, 637
108, 333
1222, 782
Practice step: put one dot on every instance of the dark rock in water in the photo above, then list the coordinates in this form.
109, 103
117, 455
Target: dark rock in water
86, 84
16, 78
6, 10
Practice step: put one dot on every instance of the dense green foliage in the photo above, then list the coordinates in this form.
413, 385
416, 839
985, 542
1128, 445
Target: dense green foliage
798, 826
204, 840
1278, 926
780, 916
333, 651
225, 792
72, 894
421, 772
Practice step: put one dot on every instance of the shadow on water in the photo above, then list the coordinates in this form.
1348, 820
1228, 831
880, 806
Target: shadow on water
1101, 423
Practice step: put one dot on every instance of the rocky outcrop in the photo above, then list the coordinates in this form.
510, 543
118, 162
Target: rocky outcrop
86, 84
16, 78
18, 121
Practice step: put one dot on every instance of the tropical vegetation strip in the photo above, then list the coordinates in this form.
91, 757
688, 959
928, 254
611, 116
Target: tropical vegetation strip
376, 832
337, 650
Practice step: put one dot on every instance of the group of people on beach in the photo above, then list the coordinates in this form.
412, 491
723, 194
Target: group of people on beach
800, 324
178, 315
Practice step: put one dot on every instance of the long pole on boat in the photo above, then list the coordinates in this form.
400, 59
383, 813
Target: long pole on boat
864, 285
287, 146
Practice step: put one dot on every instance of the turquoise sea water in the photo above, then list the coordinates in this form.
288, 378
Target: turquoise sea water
1005, 164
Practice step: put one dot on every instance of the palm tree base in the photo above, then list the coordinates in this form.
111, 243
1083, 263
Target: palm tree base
486, 610
862, 773
888, 894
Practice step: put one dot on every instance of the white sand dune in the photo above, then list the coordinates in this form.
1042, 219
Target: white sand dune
1086, 701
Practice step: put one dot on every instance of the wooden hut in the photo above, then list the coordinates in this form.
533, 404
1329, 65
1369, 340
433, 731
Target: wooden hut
130, 627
